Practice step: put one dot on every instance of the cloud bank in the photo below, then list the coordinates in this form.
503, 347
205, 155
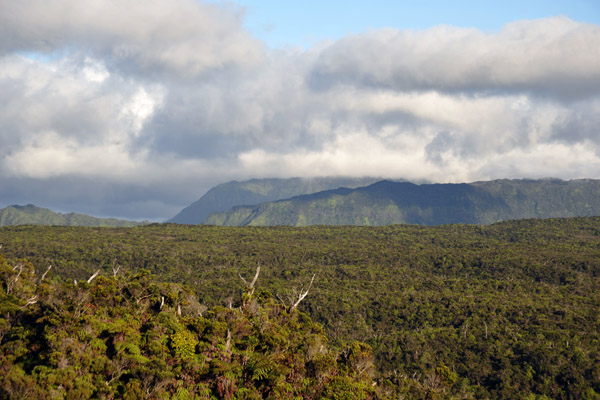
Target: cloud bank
134, 109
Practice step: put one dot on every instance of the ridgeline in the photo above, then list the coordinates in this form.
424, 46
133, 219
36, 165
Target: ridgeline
387, 203
32, 215
223, 197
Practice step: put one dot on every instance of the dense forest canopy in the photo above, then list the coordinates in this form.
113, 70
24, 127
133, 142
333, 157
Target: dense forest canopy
510, 310
133, 338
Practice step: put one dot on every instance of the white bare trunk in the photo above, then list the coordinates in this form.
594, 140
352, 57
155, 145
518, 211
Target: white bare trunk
250, 286
44, 274
302, 295
93, 276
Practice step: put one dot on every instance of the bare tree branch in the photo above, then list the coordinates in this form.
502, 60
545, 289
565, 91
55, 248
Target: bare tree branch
138, 299
255, 277
19, 266
250, 286
93, 276
32, 300
228, 343
115, 270
10, 283
44, 274
281, 300
302, 295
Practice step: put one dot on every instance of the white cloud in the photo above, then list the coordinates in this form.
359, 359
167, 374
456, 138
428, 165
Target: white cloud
554, 56
95, 71
50, 155
180, 36
151, 103
542, 161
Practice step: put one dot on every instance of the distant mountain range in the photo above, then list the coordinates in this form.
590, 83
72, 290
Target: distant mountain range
386, 202
255, 191
358, 201
32, 215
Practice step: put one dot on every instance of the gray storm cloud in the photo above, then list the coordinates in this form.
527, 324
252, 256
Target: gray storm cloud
134, 109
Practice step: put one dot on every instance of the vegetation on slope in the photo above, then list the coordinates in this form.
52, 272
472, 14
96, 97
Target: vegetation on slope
386, 203
510, 310
133, 338
32, 215
254, 191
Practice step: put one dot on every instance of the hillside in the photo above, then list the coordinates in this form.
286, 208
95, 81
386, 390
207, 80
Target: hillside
386, 203
32, 215
132, 337
227, 195
505, 311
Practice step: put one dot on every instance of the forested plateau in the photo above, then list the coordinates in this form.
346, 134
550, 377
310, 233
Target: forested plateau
505, 311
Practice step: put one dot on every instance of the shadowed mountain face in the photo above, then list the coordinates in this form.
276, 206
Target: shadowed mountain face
255, 191
32, 215
385, 203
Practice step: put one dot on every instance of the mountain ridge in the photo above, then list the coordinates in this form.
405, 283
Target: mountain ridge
32, 215
254, 191
387, 202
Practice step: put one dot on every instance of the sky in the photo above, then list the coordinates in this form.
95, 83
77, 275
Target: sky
305, 23
134, 109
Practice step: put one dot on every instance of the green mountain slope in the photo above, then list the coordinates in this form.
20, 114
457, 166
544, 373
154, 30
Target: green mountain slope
385, 203
32, 215
227, 195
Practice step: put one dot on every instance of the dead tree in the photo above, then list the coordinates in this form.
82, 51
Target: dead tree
228, 343
12, 282
30, 301
302, 295
250, 286
18, 267
115, 267
93, 276
44, 274
292, 296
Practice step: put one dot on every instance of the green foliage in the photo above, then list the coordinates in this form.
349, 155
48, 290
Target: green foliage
508, 310
184, 344
57, 347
